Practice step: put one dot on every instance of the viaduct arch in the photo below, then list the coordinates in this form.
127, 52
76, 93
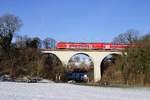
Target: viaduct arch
96, 57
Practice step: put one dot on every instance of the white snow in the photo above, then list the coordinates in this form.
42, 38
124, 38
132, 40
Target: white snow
60, 91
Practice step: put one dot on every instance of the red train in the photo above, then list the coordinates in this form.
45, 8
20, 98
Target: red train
74, 45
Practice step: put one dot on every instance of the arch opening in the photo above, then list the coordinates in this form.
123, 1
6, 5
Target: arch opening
53, 68
80, 68
108, 67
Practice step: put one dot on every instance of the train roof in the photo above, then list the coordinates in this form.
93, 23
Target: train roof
93, 43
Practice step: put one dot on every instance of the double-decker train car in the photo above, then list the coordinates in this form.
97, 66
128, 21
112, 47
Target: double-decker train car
73, 45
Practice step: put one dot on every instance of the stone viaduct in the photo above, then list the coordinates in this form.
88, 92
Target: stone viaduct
96, 56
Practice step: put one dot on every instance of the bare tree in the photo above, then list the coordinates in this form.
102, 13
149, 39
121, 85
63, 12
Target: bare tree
21, 41
130, 36
9, 25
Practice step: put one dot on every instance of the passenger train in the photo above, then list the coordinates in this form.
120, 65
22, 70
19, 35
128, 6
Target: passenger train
96, 45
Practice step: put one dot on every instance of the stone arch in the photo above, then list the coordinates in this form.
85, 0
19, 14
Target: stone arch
80, 53
53, 67
102, 60
90, 69
54, 55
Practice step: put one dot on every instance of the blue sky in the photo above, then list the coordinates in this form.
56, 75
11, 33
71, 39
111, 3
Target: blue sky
79, 20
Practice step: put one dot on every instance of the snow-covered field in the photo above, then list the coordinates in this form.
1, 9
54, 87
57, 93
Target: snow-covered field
59, 91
